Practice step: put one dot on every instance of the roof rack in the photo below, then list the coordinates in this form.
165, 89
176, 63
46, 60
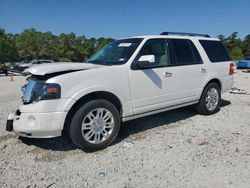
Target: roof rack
185, 34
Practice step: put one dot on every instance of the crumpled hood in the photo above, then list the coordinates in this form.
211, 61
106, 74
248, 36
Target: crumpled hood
49, 68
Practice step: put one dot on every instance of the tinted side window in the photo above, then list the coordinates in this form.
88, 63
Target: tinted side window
196, 54
159, 49
215, 50
185, 52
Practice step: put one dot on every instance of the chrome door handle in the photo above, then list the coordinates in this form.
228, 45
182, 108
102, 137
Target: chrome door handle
168, 74
203, 70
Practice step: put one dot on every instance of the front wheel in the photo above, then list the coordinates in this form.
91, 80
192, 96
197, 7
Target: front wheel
210, 100
95, 125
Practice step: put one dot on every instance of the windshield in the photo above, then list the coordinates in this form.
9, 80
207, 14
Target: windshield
116, 53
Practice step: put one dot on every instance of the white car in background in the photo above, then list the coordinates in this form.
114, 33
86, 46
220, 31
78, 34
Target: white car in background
24, 66
127, 79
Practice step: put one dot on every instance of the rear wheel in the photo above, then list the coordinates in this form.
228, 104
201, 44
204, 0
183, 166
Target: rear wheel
95, 125
210, 100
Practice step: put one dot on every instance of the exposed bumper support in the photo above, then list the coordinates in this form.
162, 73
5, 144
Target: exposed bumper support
9, 125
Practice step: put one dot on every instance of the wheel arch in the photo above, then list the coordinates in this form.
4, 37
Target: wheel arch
211, 80
214, 80
90, 96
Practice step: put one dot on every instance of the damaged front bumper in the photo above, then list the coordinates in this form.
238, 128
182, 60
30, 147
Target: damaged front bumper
36, 125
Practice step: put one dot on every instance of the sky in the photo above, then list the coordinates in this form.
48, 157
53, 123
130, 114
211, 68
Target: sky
122, 18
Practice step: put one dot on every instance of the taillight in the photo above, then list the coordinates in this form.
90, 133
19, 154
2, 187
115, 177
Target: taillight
231, 69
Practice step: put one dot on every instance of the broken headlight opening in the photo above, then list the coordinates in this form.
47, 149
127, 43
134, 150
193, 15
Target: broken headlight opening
36, 90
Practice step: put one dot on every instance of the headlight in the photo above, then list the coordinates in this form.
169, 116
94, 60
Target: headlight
36, 91
51, 91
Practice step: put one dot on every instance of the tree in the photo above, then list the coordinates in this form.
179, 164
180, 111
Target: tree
236, 53
33, 44
233, 45
48, 48
29, 43
90, 46
246, 46
8, 50
66, 47
102, 42
222, 38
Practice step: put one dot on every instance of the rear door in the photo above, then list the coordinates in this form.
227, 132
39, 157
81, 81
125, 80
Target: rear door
191, 72
219, 63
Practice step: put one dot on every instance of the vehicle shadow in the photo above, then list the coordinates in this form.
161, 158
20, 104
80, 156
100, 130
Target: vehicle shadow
127, 129
140, 125
162, 119
55, 144
224, 103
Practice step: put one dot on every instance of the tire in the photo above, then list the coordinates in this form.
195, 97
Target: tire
203, 106
98, 117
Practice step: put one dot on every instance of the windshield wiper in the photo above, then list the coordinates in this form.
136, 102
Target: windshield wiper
101, 62
98, 62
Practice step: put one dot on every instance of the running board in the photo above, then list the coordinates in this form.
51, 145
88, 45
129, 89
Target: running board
157, 111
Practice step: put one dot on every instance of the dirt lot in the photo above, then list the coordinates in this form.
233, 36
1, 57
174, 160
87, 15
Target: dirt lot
172, 149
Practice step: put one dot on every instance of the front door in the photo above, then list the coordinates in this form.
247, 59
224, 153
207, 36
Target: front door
153, 88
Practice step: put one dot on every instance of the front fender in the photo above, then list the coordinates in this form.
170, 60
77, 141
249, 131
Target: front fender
89, 90
127, 109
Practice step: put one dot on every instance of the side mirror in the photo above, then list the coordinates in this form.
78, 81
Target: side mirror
146, 61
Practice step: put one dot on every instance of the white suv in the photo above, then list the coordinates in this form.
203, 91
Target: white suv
127, 79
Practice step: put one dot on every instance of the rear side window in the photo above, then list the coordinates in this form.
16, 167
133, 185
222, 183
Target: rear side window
215, 50
185, 52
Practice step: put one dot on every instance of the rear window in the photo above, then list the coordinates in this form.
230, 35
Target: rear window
185, 52
215, 50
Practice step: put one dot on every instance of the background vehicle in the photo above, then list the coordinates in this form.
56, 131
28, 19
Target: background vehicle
23, 66
3, 70
243, 64
127, 79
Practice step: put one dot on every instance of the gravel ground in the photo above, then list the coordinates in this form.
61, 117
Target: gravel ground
172, 149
